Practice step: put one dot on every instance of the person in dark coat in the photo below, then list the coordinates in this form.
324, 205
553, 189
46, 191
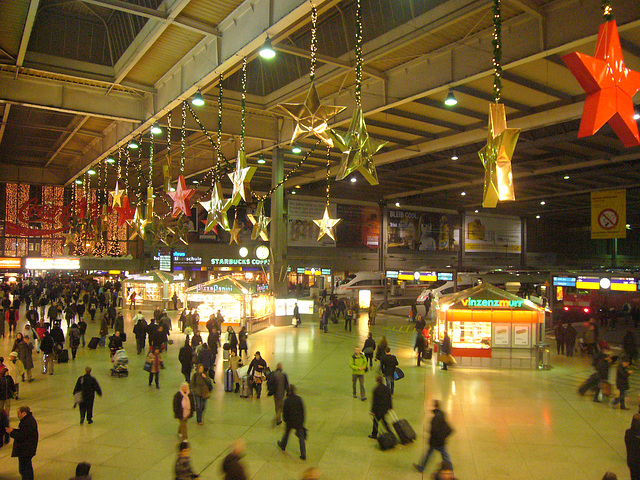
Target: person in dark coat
231, 466
256, 368
82, 329
277, 386
89, 386
630, 346
446, 348
388, 364
159, 338
140, 332
185, 356
622, 382
242, 342
293, 415
115, 342
632, 441
420, 345
183, 408
74, 339
47, 347
369, 348
440, 430
570, 335
381, 403
560, 338
58, 336
118, 325
25, 441
7, 389
232, 338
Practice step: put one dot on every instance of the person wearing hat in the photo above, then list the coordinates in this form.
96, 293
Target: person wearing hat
257, 368
82, 471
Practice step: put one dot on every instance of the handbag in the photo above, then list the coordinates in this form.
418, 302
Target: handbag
77, 398
147, 367
398, 374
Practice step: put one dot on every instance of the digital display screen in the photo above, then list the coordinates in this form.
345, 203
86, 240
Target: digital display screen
166, 262
446, 276
624, 284
564, 281
392, 274
592, 283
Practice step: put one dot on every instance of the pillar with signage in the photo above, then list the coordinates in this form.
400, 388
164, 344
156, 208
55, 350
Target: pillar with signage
490, 327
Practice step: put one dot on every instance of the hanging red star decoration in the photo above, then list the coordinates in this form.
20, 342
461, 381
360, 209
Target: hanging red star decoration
609, 86
181, 198
125, 211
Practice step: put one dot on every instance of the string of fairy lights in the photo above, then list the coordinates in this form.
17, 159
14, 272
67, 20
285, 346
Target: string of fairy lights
607, 11
358, 50
328, 187
183, 137
314, 42
496, 42
243, 103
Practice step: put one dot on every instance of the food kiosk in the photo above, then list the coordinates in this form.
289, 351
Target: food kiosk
154, 288
240, 303
491, 328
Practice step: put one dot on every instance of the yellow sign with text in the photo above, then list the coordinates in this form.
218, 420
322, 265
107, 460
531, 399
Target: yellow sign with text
609, 214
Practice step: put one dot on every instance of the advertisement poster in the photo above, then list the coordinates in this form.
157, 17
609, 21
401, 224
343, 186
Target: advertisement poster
609, 214
425, 231
501, 334
492, 233
360, 226
301, 231
521, 335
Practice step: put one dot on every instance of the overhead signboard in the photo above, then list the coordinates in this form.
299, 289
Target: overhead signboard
564, 281
392, 273
624, 284
52, 264
492, 234
609, 214
446, 276
418, 276
10, 263
166, 262
588, 283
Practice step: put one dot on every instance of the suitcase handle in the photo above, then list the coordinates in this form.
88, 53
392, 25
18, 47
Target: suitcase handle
393, 415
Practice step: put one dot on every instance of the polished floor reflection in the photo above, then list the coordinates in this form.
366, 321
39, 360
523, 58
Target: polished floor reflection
508, 424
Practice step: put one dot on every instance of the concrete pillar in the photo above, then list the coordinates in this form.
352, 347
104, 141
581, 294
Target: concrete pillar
278, 230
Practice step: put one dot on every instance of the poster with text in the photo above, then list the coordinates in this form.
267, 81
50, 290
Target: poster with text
521, 335
423, 231
301, 231
501, 334
492, 233
360, 226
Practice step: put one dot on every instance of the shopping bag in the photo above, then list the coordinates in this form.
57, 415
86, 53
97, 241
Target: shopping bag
147, 367
398, 374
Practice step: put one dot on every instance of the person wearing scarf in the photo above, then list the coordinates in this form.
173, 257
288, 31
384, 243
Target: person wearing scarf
183, 403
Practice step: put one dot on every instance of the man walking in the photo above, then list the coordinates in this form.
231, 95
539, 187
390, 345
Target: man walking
25, 441
88, 386
440, 430
278, 385
380, 406
358, 364
570, 335
560, 338
140, 331
388, 364
293, 413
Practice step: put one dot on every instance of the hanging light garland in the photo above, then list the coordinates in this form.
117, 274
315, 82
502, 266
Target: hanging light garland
607, 11
501, 141
182, 194
166, 169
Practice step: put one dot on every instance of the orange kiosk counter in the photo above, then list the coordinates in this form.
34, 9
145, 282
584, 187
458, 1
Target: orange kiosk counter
491, 328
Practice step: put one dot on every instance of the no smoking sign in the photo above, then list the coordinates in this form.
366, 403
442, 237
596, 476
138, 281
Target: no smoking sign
608, 219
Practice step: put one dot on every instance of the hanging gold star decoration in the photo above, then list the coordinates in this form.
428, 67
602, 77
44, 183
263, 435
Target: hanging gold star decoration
151, 201
70, 239
139, 225
326, 225
177, 232
357, 148
311, 117
216, 209
240, 178
116, 196
260, 223
496, 158
235, 232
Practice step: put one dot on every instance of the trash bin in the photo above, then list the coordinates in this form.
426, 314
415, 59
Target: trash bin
544, 357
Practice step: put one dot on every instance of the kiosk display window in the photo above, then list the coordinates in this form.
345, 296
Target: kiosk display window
521, 335
501, 334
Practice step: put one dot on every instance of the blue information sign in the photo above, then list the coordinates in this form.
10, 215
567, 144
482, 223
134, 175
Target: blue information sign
564, 281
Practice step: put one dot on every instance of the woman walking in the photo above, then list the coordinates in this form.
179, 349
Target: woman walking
155, 359
201, 387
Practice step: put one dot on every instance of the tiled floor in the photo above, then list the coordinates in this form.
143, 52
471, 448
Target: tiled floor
508, 424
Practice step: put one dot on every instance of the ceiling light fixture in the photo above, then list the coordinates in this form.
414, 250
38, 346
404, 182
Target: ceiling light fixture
261, 160
463, 193
293, 192
91, 171
296, 150
156, 130
133, 144
636, 116
78, 182
195, 182
354, 179
397, 204
454, 157
543, 202
266, 51
451, 99
537, 216
566, 177
197, 99
110, 160
298, 186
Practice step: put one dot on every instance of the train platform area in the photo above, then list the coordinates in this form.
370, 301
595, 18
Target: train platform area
508, 424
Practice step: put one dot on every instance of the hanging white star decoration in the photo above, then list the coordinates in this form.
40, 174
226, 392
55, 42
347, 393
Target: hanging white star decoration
326, 224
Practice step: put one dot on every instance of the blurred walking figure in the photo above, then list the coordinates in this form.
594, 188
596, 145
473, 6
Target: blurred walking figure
440, 430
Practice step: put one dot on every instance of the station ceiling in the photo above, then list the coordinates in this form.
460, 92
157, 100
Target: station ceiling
80, 78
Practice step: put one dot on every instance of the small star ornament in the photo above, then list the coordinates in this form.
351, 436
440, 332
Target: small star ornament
240, 178
181, 198
609, 85
216, 209
235, 232
260, 223
116, 196
327, 225
70, 239
496, 158
139, 225
125, 212
357, 148
311, 117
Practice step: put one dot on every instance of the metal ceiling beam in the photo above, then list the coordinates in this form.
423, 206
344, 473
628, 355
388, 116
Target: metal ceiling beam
133, 9
430, 102
26, 33
489, 98
5, 118
50, 128
146, 38
299, 52
630, 47
79, 124
424, 119
398, 128
532, 84
529, 7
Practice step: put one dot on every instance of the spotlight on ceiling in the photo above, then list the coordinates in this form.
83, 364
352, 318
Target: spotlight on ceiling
293, 192
537, 216
78, 182
261, 160
110, 160
266, 51
156, 130
197, 99
454, 157
354, 179
397, 204
463, 193
91, 171
543, 202
133, 144
636, 116
451, 99
172, 189
477, 211
296, 150
195, 182
298, 186
566, 177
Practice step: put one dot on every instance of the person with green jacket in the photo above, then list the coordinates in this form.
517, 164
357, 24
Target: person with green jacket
358, 364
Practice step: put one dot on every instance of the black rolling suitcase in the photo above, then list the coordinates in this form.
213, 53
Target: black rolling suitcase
93, 343
405, 432
387, 441
63, 356
428, 354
